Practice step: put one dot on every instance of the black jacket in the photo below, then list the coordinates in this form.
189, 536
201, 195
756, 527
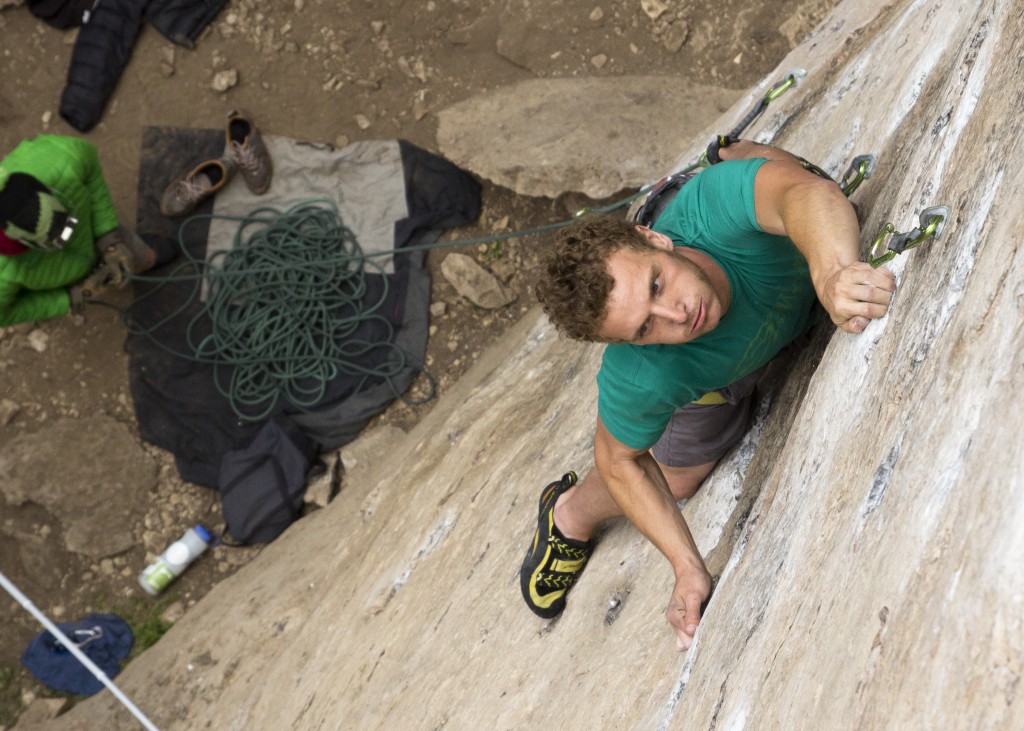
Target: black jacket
105, 44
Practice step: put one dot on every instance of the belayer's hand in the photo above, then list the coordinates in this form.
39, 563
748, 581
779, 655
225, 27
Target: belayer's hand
118, 260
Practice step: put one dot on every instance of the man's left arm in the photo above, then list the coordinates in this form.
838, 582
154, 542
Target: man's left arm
815, 215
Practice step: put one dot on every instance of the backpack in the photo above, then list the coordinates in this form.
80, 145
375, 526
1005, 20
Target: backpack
262, 486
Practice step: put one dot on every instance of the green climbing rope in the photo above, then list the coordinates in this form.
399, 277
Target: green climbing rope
283, 310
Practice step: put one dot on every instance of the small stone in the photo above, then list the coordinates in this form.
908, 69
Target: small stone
166, 70
224, 80
675, 36
596, 14
653, 8
377, 26
38, 340
47, 116
599, 60
437, 309
340, 141
8, 410
474, 282
419, 107
362, 122
173, 613
299, 4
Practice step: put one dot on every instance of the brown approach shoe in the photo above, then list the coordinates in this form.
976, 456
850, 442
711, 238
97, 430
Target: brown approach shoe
192, 186
245, 146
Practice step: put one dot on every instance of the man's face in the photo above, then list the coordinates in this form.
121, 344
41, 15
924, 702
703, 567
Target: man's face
659, 296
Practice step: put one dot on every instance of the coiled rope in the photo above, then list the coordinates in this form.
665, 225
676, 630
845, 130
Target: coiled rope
282, 310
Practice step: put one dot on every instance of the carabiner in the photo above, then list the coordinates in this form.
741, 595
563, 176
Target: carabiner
861, 168
932, 221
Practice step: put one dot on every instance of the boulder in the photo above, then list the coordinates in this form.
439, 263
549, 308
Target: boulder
545, 137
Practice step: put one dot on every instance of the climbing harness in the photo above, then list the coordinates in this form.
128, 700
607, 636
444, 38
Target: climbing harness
931, 222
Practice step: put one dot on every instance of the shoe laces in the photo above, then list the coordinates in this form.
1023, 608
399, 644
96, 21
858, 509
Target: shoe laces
246, 158
556, 581
192, 191
565, 550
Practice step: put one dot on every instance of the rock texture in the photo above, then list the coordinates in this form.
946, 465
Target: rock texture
594, 136
867, 537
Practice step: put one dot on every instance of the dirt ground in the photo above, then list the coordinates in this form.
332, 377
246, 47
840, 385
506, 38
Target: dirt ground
323, 71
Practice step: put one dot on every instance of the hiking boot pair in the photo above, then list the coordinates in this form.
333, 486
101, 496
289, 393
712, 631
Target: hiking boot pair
554, 562
244, 152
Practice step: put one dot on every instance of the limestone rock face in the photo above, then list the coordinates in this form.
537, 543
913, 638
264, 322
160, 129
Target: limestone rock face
594, 136
866, 535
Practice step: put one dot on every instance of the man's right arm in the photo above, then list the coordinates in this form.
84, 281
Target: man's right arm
638, 487
819, 220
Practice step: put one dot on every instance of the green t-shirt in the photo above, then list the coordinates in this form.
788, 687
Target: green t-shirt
640, 386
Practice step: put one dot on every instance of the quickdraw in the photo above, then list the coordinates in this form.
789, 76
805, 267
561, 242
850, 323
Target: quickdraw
931, 223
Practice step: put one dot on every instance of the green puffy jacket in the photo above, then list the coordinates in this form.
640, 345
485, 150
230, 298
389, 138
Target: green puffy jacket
33, 285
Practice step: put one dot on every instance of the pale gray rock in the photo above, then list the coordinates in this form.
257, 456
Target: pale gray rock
93, 481
866, 535
474, 282
8, 410
40, 713
224, 80
596, 136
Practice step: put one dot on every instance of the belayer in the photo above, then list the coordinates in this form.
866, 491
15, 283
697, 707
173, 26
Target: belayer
57, 224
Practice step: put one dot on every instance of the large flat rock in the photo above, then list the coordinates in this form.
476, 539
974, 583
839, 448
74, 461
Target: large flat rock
868, 539
545, 137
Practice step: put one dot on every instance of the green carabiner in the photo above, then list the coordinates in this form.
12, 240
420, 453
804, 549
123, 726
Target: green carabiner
860, 169
932, 221
792, 79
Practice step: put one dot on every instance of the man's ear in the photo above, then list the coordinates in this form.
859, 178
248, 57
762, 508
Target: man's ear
655, 239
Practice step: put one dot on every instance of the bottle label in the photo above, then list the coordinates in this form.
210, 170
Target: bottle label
160, 576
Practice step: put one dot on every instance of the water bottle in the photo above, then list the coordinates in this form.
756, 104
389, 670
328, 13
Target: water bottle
173, 561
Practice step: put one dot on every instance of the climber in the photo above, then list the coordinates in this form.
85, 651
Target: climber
57, 226
692, 309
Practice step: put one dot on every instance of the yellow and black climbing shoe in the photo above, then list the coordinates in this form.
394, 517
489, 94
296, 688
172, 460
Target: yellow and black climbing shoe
553, 562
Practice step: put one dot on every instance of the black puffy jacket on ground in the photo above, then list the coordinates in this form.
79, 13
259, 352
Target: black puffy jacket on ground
105, 44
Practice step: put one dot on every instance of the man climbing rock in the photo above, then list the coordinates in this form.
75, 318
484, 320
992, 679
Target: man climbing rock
57, 222
692, 309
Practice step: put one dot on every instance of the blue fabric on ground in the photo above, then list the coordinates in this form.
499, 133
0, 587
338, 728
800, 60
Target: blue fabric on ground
104, 638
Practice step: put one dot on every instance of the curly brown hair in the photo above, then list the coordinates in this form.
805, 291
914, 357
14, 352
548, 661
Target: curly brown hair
574, 282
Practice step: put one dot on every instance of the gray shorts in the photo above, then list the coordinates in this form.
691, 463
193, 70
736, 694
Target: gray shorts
703, 431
